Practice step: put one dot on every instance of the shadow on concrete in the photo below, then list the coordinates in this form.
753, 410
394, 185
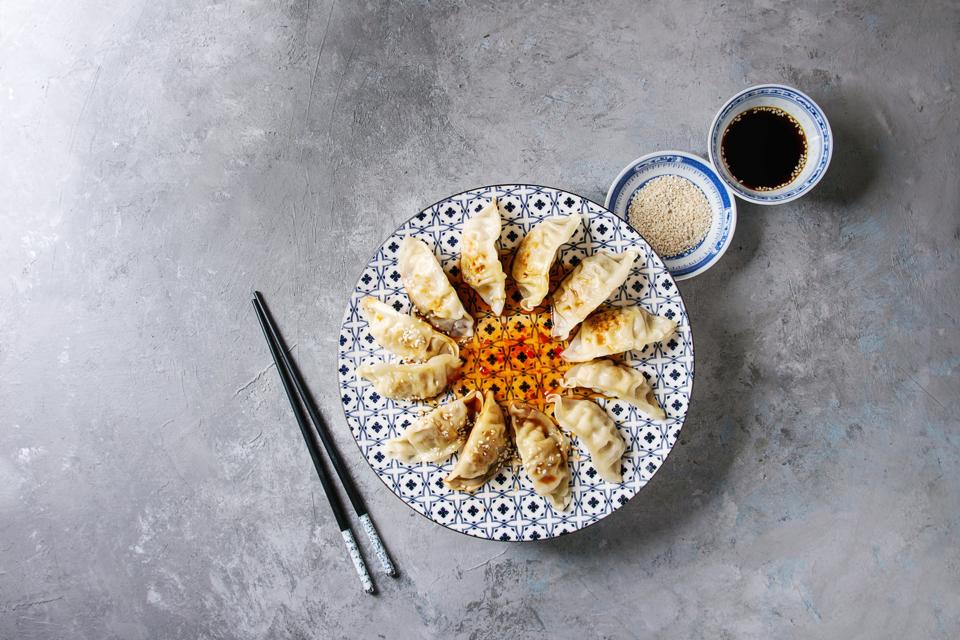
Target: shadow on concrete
856, 152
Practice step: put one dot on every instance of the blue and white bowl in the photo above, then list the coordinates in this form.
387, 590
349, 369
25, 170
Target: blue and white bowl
698, 171
805, 111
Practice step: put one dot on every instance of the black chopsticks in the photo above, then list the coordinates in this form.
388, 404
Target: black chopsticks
296, 389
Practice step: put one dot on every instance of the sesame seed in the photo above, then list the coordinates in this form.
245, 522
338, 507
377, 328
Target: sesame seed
671, 213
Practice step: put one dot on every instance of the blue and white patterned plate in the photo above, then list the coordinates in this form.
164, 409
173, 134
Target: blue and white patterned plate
506, 508
804, 110
698, 171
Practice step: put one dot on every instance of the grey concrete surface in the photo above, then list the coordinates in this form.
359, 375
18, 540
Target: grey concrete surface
160, 159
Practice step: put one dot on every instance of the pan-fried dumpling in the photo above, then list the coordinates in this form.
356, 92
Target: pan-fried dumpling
479, 260
535, 256
587, 286
430, 291
403, 335
598, 433
616, 330
544, 451
608, 378
436, 436
486, 449
411, 381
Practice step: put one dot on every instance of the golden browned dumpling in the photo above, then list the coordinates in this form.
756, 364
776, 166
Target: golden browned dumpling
479, 259
617, 380
412, 381
587, 286
535, 256
485, 451
616, 330
543, 451
598, 433
430, 290
436, 436
403, 335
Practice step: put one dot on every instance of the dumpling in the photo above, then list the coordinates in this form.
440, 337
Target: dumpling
412, 381
598, 433
587, 286
430, 291
543, 451
437, 435
535, 256
616, 330
486, 449
608, 378
479, 260
404, 335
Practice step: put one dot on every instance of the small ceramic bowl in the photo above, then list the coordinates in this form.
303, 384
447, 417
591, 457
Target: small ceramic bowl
698, 171
805, 111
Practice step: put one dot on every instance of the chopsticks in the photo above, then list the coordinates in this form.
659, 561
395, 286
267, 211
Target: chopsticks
294, 387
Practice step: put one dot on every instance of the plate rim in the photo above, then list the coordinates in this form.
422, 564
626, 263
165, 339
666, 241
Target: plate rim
518, 540
719, 180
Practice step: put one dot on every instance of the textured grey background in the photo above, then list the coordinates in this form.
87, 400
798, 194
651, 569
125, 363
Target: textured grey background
159, 159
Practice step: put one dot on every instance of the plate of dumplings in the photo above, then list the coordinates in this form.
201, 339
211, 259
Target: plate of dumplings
515, 362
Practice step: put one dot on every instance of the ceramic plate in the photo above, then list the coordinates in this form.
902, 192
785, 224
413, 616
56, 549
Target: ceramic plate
698, 171
506, 508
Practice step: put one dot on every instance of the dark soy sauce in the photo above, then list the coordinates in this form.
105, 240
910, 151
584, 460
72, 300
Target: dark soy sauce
764, 148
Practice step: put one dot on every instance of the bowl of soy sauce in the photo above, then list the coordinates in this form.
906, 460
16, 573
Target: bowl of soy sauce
770, 144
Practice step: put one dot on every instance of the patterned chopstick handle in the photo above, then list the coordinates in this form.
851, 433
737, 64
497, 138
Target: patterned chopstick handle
377, 544
358, 562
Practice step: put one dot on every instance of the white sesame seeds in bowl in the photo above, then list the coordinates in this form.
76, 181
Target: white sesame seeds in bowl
680, 205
